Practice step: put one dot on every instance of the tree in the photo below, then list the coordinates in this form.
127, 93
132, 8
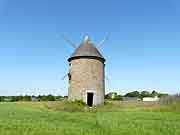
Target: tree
145, 94
58, 98
1, 99
51, 98
27, 98
42, 98
13, 98
133, 94
111, 95
46, 98
154, 93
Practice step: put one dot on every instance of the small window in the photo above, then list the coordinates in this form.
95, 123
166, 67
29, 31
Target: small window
69, 76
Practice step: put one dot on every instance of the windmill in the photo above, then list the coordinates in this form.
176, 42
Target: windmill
86, 72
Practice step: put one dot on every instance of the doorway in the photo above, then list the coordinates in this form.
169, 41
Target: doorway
90, 99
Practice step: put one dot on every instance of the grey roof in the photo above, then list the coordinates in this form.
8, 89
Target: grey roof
86, 49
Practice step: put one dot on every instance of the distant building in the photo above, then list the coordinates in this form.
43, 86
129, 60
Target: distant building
151, 99
35, 99
7, 99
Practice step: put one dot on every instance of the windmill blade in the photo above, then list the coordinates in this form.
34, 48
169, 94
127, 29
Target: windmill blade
105, 39
69, 41
64, 76
107, 77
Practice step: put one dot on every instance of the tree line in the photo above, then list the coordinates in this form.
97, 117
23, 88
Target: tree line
111, 95
134, 94
31, 98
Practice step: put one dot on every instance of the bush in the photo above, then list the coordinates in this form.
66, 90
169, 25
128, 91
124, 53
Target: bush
75, 106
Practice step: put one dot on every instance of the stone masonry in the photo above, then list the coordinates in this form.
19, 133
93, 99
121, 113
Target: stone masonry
87, 75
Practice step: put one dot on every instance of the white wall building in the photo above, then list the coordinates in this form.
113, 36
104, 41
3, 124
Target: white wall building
151, 99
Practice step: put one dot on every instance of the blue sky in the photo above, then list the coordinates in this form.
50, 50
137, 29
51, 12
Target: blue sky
143, 51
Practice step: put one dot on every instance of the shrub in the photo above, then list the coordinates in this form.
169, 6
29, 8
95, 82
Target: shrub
75, 106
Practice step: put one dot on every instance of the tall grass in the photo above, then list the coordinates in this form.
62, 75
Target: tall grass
171, 103
29, 118
167, 104
170, 99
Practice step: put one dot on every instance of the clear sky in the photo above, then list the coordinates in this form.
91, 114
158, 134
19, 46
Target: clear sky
143, 51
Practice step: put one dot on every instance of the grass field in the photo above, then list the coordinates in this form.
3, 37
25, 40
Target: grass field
36, 119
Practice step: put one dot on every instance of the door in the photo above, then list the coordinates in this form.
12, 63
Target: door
90, 98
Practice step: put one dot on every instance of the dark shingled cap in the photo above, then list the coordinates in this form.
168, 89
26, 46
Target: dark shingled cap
86, 50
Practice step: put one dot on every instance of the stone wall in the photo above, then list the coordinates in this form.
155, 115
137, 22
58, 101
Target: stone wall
87, 75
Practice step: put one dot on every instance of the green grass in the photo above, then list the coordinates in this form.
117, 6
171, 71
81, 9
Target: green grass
39, 119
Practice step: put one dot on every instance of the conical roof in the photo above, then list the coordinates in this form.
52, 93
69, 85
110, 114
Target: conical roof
86, 49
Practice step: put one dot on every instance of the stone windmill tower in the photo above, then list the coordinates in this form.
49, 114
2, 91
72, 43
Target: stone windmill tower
86, 73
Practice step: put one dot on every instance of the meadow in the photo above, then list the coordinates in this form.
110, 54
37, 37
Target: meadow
52, 118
